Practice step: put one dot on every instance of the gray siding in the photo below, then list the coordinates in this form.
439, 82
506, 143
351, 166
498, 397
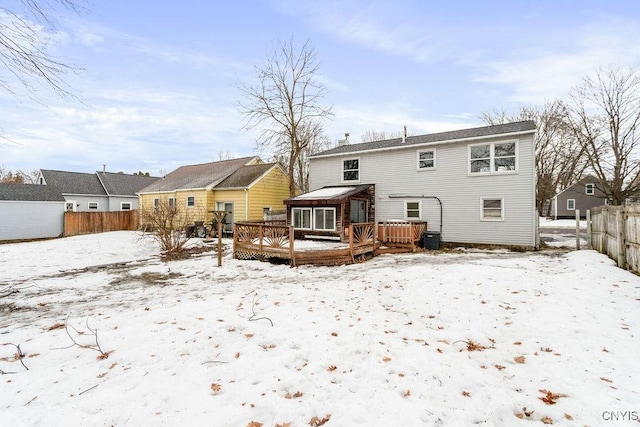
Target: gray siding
583, 201
394, 172
115, 201
30, 220
83, 201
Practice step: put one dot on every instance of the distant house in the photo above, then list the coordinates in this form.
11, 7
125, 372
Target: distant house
30, 211
96, 192
582, 195
474, 186
246, 188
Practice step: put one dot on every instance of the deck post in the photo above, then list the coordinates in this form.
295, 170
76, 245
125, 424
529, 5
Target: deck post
292, 252
351, 242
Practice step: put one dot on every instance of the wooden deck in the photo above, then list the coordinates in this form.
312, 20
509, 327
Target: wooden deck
401, 234
268, 241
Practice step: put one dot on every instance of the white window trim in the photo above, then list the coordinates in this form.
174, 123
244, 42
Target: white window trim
492, 158
171, 201
70, 202
187, 202
491, 219
359, 170
590, 186
93, 209
313, 219
418, 159
126, 203
406, 216
574, 204
156, 203
310, 218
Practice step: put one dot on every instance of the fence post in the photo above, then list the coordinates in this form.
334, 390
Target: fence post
589, 231
605, 231
577, 229
620, 236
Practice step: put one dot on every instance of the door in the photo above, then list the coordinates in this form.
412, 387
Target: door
358, 211
227, 225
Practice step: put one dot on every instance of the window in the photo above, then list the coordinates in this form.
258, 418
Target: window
571, 204
590, 189
191, 201
301, 218
426, 159
156, 203
70, 206
266, 210
492, 209
125, 206
351, 170
324, 219
493, 158
172, 202
93, 206
412, 210
358, 211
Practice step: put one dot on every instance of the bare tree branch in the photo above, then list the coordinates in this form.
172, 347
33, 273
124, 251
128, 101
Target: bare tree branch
604, 116
285, 104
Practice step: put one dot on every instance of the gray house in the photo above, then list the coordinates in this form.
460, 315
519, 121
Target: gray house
582, 195
30, 211
474, 186
96, 192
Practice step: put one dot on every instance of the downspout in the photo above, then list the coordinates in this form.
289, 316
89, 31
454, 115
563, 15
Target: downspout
406, 196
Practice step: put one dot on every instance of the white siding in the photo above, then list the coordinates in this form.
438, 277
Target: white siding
394, 173
30, 220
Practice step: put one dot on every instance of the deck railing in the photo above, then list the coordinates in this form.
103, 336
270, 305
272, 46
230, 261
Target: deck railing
263, 241
401, 232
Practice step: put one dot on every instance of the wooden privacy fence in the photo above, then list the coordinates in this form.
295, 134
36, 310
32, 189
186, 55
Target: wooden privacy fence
615, 231
76, 223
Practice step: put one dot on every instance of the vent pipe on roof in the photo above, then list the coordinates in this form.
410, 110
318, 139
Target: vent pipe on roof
404, 135
104, 169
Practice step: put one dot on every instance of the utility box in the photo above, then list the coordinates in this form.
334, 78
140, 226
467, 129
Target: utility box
431, 240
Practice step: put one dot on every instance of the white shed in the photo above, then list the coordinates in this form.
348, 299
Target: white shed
29, 211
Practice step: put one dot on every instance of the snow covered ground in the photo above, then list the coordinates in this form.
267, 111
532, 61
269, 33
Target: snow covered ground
453, 339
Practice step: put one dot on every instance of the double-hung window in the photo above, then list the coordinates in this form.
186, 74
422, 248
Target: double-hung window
93, 206
351, 170
571, 204
301, 218
125, 206
492, 209
426, 159
412, 210
324, 219
191, 201
590, 189
493, 158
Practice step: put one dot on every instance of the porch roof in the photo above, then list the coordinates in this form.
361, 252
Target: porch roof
328, 195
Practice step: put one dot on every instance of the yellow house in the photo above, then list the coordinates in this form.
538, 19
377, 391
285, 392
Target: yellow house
245, 188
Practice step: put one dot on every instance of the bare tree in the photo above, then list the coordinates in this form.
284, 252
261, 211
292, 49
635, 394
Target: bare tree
24, 38
604, 115
560, 159
18, 176
168, 221
285, 103
374, 135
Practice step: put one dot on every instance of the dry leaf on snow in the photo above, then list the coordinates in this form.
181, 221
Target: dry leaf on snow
317, 422
215, 387
519, 359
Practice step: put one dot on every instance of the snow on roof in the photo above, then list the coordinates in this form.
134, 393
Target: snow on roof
325, 193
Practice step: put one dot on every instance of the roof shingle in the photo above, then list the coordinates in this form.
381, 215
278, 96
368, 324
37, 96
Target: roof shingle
30, 193
485, 131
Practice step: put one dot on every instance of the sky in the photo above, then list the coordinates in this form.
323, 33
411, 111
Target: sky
456, 338
157, 82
